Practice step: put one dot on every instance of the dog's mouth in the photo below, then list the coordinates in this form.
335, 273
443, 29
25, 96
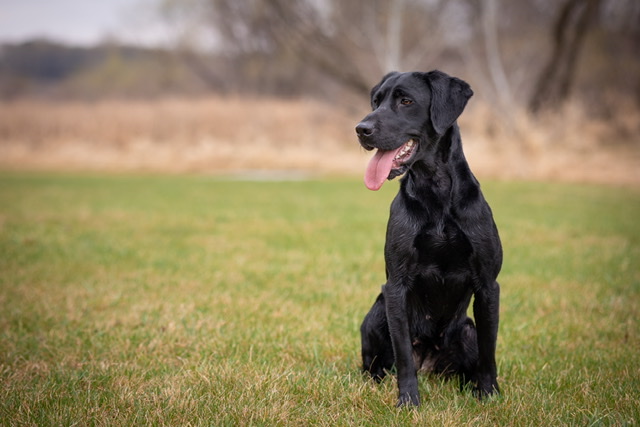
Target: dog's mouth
387, 164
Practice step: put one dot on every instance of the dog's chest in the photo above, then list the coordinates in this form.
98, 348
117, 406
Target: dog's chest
433, 254
442, 245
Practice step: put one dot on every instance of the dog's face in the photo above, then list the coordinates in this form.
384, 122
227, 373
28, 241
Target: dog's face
410, 111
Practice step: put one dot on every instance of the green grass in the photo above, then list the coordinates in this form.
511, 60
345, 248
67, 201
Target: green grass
129, 300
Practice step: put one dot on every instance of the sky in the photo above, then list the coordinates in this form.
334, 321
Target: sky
81, 22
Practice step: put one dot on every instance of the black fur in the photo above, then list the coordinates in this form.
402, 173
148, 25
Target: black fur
442, 246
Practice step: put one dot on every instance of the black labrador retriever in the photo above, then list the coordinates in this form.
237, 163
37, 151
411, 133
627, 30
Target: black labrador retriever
442, 245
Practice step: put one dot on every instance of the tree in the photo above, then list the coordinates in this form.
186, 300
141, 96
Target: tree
493, 56
556, 79
353, 42
281, 47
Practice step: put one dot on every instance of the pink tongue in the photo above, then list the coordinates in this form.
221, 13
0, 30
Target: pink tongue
379, 168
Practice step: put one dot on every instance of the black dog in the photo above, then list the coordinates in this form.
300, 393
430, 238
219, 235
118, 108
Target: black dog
442, 244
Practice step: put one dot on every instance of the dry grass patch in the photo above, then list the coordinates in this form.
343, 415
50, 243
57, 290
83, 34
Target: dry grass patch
235, 135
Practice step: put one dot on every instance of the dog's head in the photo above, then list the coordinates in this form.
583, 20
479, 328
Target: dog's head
410, 111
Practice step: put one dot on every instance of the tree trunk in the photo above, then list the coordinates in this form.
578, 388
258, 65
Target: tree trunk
393, 46
494, 59
556, 80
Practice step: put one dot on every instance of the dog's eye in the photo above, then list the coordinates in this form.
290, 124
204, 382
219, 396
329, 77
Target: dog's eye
406, 101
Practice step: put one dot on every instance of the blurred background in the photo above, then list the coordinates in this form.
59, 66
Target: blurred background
275, 87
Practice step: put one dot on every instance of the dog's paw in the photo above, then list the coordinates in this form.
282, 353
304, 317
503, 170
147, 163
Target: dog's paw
485, 389
376, 375
408, 400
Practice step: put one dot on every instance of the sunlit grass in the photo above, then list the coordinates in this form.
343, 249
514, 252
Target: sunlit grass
190, 300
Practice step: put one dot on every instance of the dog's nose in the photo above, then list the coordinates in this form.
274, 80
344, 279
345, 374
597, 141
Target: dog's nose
364, 129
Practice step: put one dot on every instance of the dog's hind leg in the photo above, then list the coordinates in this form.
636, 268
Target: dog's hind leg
377, 351
467, 352
457, 355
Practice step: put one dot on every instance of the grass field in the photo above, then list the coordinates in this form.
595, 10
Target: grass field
134, 300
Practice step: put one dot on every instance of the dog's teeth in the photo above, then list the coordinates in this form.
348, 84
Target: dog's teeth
405, 149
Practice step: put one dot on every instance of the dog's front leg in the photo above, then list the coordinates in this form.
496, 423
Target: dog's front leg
396, 307
486, 307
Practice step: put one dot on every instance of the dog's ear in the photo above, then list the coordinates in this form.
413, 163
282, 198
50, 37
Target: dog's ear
376, 87
449, 96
